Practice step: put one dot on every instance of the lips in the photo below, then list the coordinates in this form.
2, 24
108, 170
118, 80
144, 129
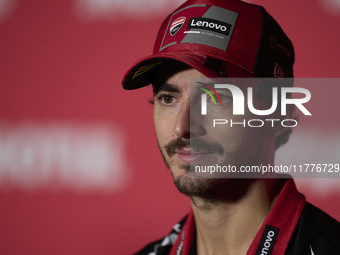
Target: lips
193, 150
189, 155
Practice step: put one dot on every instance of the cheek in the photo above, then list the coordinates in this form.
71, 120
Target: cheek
236, 135
163, 127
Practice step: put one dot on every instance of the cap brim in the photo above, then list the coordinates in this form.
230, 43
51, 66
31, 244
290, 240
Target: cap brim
142, 73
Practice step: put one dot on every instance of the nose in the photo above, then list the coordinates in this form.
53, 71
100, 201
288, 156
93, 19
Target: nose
186, 127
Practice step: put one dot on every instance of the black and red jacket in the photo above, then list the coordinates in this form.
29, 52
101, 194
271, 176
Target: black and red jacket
293, 226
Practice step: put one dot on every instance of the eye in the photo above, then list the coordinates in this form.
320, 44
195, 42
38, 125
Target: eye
167, 99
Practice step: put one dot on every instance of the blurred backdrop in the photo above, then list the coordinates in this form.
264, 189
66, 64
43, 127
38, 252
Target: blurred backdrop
80, 170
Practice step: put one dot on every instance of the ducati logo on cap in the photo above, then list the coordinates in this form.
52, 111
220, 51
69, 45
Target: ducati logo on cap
176, 25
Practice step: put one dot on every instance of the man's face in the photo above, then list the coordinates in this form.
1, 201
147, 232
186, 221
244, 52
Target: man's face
184, 141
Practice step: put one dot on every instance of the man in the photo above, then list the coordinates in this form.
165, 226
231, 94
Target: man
233, 39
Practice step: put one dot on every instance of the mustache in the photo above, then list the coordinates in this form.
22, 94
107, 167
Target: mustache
198, 145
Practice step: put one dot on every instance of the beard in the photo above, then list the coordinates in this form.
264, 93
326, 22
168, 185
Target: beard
189, 186
210, 188
198, 187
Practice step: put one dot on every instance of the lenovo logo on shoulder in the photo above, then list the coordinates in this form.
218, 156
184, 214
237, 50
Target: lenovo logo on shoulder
209, 24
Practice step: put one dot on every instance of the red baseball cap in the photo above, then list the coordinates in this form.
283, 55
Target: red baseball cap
219, 38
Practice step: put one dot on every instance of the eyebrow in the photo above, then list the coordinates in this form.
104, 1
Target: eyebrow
164, 87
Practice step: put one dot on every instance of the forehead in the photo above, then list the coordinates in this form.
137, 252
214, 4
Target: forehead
174, 73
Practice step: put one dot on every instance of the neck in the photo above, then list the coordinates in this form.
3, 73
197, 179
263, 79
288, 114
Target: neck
227, 224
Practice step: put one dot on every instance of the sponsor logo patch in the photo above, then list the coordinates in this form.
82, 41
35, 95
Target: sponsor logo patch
176, 25
213, 28
210, 25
